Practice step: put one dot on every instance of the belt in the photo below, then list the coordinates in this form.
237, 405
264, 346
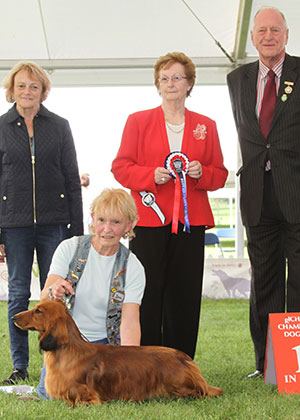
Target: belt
148, 199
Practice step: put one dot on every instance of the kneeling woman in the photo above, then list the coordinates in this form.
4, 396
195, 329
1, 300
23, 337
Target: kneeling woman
100, 280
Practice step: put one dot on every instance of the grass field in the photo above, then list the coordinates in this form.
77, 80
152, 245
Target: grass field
224, 355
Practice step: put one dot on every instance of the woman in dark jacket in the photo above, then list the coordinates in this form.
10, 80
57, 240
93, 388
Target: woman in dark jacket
40, 192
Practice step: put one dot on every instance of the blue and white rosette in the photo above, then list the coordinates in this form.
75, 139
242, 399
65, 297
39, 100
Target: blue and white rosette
177, 164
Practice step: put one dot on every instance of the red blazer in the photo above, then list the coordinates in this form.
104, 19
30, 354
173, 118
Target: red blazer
145, 146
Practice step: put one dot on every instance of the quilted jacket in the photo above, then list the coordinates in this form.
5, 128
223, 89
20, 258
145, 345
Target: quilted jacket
44, 188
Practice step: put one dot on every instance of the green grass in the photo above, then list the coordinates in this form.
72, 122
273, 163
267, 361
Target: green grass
224, 355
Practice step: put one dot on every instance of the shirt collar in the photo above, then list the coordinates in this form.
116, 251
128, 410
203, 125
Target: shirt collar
264, 70
13, 114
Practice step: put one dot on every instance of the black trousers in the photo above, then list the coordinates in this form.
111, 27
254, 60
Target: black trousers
173, 264
274, 252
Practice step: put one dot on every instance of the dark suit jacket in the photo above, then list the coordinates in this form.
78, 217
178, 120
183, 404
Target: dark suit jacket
282, 145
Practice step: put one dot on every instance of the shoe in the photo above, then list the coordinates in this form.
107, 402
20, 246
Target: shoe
256, 374
16, 376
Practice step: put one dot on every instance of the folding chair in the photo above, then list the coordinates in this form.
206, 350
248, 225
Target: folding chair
227, 233
212, 239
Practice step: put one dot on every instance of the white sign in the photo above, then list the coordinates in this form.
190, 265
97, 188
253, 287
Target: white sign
226, 278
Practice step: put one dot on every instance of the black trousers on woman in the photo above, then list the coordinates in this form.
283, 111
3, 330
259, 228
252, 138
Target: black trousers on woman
171, 304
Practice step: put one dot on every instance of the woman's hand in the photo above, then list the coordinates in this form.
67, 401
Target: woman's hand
61, 287
161, 175
195, 169
56, 287
2, 254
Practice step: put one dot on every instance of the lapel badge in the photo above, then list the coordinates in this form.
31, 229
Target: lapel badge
288, 89
119, 273
284, 97
200, 132
118, 296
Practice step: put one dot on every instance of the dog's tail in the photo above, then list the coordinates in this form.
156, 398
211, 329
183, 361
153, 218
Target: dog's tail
200, 384
213, 391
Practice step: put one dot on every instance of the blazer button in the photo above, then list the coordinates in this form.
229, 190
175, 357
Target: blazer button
268, 146
62, 195
4, 197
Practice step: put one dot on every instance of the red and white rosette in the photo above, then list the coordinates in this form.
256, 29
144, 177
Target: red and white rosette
177, 164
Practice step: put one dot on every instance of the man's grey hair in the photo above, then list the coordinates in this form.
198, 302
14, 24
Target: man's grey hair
271, 8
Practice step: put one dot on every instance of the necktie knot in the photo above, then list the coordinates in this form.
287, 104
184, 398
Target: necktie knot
271, 74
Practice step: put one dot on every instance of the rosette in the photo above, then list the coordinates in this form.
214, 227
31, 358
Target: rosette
177, 164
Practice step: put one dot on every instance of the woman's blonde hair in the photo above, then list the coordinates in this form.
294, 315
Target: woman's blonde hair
166, 61
116, 201
34, 71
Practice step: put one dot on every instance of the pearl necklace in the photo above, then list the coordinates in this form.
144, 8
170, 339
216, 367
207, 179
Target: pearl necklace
172, 128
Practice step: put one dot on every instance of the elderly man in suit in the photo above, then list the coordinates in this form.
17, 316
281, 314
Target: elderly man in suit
267, 117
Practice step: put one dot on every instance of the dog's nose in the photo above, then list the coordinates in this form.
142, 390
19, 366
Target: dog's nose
14, 318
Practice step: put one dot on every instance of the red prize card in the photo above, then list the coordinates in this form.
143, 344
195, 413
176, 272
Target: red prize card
282, 365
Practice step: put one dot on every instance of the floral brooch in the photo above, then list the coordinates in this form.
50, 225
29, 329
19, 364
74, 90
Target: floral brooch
200, 132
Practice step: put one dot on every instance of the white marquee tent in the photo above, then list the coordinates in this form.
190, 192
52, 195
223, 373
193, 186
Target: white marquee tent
95, 43
116, 42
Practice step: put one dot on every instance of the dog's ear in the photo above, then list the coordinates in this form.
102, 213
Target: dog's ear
56, 334
49, 342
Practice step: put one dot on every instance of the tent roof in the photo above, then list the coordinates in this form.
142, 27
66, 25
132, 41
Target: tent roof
97, 42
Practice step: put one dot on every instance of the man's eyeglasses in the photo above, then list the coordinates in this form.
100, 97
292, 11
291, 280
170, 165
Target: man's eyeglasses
174, 79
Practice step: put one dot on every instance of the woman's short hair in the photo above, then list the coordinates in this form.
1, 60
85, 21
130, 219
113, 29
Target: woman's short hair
34, 71
166, 61
116, 201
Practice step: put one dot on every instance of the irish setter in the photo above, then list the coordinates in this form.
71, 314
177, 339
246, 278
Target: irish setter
87, 373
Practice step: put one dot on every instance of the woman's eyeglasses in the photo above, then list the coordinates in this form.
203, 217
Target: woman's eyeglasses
174, 79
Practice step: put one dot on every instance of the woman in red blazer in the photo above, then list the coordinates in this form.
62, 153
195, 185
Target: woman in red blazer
170, 239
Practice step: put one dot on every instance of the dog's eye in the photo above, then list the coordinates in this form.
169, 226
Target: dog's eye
37, 311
